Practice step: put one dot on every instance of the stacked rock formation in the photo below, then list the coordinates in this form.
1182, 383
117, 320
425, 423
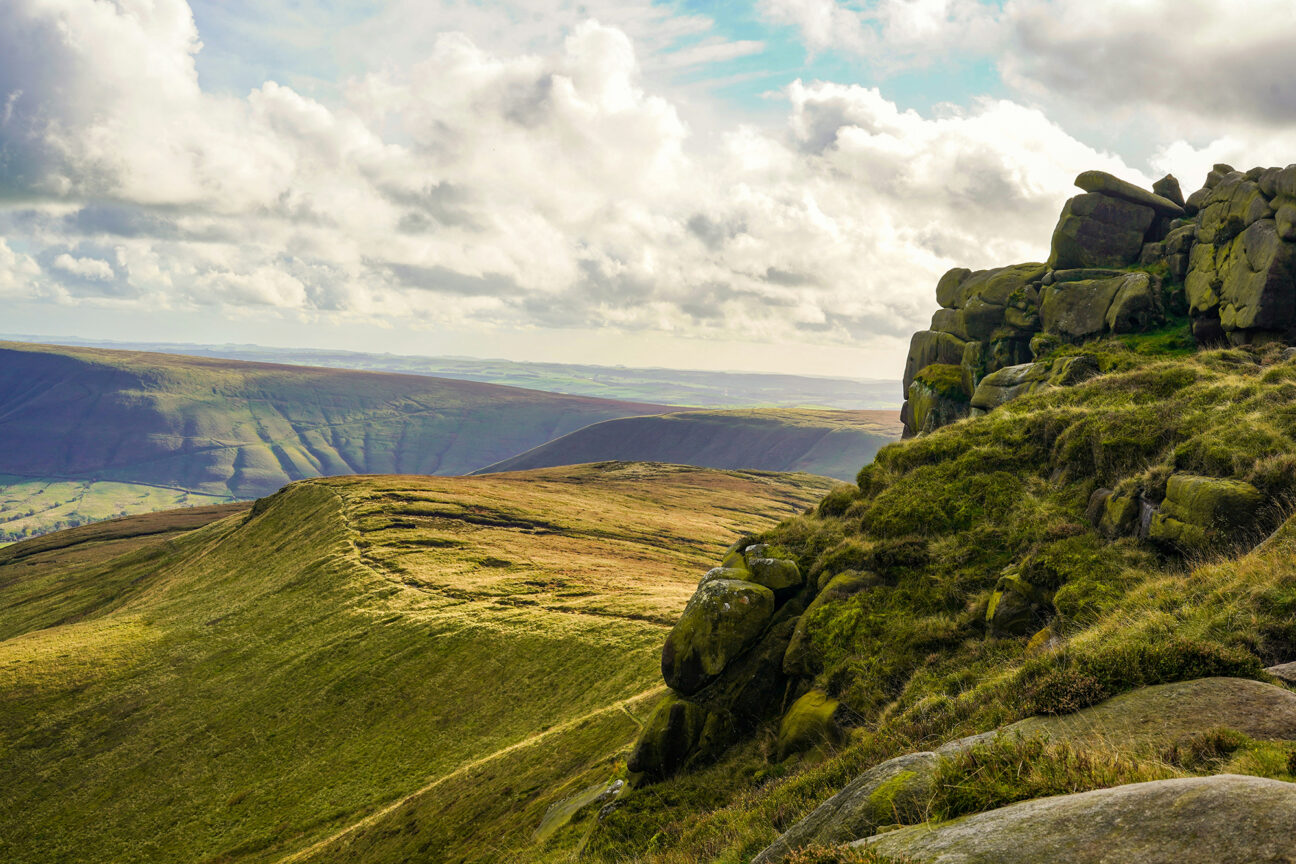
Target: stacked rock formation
1122, 259
724, 659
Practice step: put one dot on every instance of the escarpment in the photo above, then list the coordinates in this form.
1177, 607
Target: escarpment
1112, 517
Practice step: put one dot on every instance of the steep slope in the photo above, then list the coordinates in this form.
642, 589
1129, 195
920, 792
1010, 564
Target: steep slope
230, 429
265, 684
830, 443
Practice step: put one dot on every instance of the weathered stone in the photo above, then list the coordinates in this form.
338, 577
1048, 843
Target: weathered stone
1099, 231
936, 403
947, 289
776, 574
1084, 274
1107, 184
1168, 188
1078, 310
715, 573
722, 620
1268, 181
1196, 201
1180, 239
927, 347
1142, 718
1016, 607
1202, 511
1097, 505
1120, 515
1285, 218
1009, 383
752, 685
1284, 672
1257, 289
1285, 182
977, 320
1191, 820
1232, 206
668, 738
810, 722
1043, 343
996, 286
871, 800
1136, 306
1151, 254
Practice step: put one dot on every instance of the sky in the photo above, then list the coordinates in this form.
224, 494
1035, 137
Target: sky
764, 186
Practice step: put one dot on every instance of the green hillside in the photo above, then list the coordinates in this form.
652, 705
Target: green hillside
831, 443
284, 676
168, 427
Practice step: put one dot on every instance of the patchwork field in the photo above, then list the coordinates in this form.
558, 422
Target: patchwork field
410, 667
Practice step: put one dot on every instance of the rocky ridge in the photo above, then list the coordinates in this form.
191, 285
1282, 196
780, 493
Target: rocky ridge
1122, 260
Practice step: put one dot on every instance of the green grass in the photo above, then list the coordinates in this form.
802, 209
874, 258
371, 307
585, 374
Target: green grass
460, 652
1002, 494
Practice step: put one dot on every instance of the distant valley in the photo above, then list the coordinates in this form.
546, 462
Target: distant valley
93, 433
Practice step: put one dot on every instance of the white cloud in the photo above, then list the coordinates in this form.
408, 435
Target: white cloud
525, 189
18, 272
890, 34
93, 269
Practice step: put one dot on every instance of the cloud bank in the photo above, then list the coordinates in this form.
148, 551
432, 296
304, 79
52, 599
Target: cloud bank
509, 188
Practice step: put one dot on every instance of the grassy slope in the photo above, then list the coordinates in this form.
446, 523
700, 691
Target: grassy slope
226, 428
831, 443
251, 688
940, 518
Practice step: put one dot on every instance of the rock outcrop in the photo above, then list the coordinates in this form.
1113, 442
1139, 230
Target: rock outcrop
1194, 820
1122, 259
902, 787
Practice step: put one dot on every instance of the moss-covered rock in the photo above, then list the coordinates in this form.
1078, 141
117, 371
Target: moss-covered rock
1016, 607
797, 658
1120, 513
810, 722
929, 346
751, 687
1097, 230
668, 739
937, 398
723, 619
1199, 512
883, 795
776, 574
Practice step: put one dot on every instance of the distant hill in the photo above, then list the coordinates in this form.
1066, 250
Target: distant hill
683, 387
829, 443
360, 668
221, 429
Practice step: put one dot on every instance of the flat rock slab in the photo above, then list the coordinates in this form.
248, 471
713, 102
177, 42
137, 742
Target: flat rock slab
1284, 672
1225, 819
1170, 711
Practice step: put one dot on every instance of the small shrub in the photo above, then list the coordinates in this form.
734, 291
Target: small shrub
838, 500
